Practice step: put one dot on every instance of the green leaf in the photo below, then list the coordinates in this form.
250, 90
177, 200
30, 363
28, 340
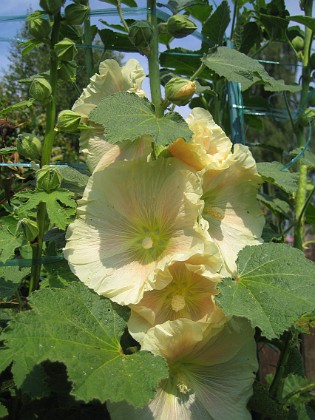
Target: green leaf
116, 41
8, 150
60, 205
177, 5
237, 67
274, 286
214, 28
77, 327
3, 411
271, 172
8, 241
130, 3
310, 214
200, 12
125, 116
184, 62
275, 204
246, 36
304, 20
22, 104
73, 180
10, 279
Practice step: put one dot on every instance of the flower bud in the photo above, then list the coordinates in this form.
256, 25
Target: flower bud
40, 89
140, 35
298, 43
48, 179
179, 91
67, 71
29, 146
66, 50
180, 26
68, 121
76, 13
29, 229
38, 27
51, 6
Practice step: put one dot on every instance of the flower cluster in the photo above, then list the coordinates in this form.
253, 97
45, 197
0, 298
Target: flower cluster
159, 235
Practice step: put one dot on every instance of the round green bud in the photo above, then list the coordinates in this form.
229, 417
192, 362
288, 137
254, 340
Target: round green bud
75, 13
51, 6
65, 50
29, 146
39, 28
29, 228
298, 43
40, 89
180, 26
48, 179
179, 91
140, 35
68, 121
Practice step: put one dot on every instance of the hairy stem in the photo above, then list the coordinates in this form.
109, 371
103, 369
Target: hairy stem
153, 58
301, 136
37, 246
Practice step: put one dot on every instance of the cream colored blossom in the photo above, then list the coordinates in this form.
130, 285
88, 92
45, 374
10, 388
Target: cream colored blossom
231, 207
190, 295
111, 79
211, 373
209, 144
135, 218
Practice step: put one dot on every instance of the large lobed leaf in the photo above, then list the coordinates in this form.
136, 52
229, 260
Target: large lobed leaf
272, 172
75, 326
237, 67
125, 116
274, 286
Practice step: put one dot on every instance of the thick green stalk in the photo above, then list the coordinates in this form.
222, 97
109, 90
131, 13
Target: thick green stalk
37, 246
301, 136
89, 60
153, 58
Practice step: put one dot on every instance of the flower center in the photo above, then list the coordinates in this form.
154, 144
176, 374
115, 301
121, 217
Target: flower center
178, 303
147, 242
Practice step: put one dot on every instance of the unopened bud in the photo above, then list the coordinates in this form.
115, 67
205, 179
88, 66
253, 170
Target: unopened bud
48, 179
40, 89
65, 50
180, 26
67, 71
51, 6
298, 43
68, 121
29, 146
140, 35
29, 229
75, 13
38, 27
179, 91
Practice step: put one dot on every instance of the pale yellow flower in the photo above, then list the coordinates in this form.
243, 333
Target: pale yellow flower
135, 218
211, 373
209, 144
111, 79
231, 207
190, 295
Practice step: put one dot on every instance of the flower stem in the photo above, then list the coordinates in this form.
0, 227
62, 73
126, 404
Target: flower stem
153, 59
301, 137
37, 246
118, 6
198, 71
89, 60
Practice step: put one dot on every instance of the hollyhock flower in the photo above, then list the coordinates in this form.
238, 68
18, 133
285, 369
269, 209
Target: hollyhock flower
209, 144
231, 207
135, 218
111, 79
190, 295
211, 373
